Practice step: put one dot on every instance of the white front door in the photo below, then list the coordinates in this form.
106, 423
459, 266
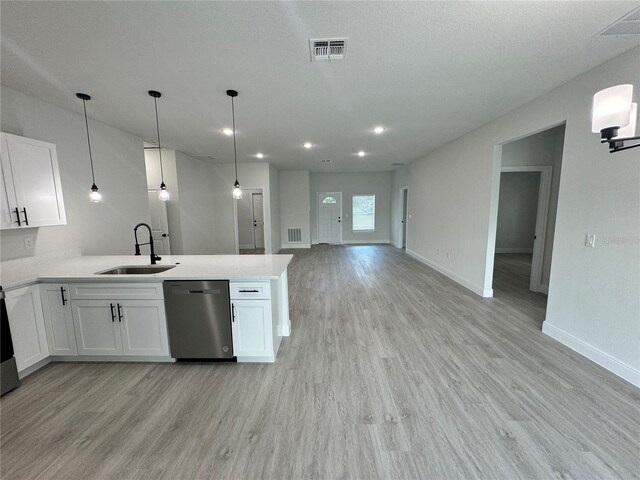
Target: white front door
159, 223
258, 219
330, 217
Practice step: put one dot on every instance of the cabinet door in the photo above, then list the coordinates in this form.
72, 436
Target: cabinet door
143, 327
8, 201
97, 331
58, 319
36, 178
27, 326
251, 328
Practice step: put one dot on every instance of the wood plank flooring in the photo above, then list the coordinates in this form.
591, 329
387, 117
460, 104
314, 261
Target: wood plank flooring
392, 371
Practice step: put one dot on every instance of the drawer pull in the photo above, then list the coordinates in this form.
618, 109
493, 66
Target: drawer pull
64, 300
113, 314
17, 212
248, 291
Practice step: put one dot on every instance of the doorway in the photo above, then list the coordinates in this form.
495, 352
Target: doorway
250, 215
159, 223
404, 192
330, 217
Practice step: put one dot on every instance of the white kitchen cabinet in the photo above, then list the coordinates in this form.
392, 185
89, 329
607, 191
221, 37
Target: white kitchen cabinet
58, 319
26, 321
96, 327
143, 327
31, 191
251, 327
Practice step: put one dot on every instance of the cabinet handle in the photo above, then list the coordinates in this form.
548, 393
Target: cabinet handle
26, 219
113, 313
64, 300
248, 291
233, 312
119, 314
17, 212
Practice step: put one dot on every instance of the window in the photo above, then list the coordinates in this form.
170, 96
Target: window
329, 200
364, 213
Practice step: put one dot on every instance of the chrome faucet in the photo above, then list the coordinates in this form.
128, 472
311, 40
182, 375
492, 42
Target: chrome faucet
154, 257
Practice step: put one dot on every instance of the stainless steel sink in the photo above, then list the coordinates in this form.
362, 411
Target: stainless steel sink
136, 270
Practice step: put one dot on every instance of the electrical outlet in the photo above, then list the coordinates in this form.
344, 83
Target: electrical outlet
590, 240
28, 243
448, 255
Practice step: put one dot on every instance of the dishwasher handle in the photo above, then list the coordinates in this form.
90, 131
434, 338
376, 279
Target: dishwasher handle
211, 291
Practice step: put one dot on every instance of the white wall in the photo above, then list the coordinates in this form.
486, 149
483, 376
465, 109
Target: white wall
250, 175
295, 207
351, 184
103, 228
544, 148
274, 207
517, 212
399, 178
593, 304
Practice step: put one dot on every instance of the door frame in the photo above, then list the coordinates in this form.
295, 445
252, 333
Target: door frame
235, 218
337, 194
404, 228
253, 218
542, 216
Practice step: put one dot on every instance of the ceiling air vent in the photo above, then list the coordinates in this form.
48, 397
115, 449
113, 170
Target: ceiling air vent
625, 26
326, 49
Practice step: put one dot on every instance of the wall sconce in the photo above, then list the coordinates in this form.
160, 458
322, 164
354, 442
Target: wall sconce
614, 117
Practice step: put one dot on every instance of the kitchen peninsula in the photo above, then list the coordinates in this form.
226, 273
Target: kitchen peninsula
71, 310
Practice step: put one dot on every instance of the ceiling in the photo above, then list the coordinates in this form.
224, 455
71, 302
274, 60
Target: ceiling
427, 71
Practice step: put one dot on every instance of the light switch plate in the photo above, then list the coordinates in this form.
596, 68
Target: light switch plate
590, 240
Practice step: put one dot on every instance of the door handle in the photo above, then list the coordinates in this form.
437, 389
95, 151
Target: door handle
165, 235
17, 212
113, 313
26, 219
119, 314
64, 300
233, 313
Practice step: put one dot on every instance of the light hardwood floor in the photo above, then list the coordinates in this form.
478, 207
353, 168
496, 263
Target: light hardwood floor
392, 371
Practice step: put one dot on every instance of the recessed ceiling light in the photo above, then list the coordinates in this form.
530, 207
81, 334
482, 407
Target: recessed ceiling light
378, 130
361, 153
259, 155
227, 131
307, 145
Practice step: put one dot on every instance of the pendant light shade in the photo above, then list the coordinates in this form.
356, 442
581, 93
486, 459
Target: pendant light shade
611, 108
95, 196
237, 191
164, 193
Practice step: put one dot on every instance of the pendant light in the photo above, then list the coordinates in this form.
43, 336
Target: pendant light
95, 196
164, 193
237, 192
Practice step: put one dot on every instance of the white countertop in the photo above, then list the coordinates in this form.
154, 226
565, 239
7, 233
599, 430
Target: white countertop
188, 267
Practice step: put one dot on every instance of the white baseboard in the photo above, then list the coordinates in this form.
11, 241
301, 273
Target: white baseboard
396, 244
544, 288
246, 247
284, 330
514, 250
111, 358
296, 245
256, 359
603, 359
276, 251
365, 242
22, 374
477, 289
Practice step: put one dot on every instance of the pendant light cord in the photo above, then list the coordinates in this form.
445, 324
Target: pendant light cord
155, 102
233, 121
86, 123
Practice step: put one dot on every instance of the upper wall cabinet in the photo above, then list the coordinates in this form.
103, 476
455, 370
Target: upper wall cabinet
30, 189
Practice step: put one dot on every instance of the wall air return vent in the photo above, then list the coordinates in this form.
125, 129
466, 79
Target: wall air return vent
327, 49
294, 235
625, 26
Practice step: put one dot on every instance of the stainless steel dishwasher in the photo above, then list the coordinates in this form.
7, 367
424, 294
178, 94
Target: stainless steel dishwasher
199, 319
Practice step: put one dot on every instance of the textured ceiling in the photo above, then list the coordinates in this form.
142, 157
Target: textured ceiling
427, 71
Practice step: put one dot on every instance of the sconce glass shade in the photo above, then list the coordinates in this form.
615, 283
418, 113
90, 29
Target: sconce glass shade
237, 192
629, 130
164, 193
611, 108
95, 196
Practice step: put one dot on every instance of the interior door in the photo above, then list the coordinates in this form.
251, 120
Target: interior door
159, 224
258, 219
36, 181
404, 217
330, 217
